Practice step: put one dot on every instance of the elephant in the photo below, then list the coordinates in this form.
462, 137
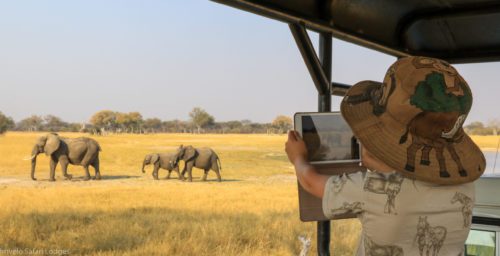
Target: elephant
202, 158
167, 161
425, 140
78, 151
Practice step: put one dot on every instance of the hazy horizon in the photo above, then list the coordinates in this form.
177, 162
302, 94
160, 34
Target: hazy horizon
74, 58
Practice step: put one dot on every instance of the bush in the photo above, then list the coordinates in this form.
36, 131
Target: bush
6, 123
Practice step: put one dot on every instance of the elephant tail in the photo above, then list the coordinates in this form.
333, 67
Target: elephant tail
98, 147
218, 161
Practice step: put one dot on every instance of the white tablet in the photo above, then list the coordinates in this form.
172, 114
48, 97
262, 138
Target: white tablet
328, 138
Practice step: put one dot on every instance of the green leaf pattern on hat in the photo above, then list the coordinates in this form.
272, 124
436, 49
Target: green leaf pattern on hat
431, 95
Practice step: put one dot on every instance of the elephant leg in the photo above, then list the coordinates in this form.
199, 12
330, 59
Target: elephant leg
87, 173
205, 174
442, 164
181, 177
410, 156
95, 165
189, 170
219, 179
456, 158
215, 167
424, 160
184, 170
155, 172
64, 166
168, 175
53, 164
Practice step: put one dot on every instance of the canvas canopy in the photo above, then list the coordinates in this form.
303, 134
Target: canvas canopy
459, 31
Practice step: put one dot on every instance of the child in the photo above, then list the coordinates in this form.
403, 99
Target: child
417, 196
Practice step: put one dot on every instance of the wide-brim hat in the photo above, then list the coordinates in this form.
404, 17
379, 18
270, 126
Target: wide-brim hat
413, 121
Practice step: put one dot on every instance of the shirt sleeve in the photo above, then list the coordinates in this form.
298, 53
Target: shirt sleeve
344, 194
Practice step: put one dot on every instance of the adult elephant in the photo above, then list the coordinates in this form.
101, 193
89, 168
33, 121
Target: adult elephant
167, 161
202, 158
78, 151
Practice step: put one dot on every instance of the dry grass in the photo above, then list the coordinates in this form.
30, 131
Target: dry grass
254, 211
487, 142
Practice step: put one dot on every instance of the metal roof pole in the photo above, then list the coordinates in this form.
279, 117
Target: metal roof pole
325, 105
310, 58
320, 70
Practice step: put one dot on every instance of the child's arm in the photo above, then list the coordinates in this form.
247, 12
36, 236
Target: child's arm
308, 177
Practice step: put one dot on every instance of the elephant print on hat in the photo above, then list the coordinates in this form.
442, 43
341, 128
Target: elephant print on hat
444, 101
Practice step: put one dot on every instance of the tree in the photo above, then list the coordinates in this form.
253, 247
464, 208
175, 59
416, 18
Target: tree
54, 123
478, 128
200, 118
282, 123
175, 126
494, 125
6, 123
32, 123
129, 121
474, 125
104, 119
135, 121
153, 124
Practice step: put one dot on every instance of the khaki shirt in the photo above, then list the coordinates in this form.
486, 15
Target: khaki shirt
400, 216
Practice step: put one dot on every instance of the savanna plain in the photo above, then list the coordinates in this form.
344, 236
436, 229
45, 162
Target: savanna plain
253, 211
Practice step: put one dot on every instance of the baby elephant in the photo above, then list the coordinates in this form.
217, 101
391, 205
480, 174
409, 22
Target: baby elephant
165, 161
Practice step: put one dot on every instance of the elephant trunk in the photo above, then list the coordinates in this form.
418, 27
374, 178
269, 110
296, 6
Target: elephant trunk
34, 154
144, 163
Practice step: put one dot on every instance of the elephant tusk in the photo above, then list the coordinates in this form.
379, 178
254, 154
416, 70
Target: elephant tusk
458, 124
29, 158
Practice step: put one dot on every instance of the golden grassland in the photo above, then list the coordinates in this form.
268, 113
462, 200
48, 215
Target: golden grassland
254, 211
487, 143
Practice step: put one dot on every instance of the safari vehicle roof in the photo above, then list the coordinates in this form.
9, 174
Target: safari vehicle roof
459, 31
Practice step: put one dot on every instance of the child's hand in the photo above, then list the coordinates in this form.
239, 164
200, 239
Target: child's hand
295, 148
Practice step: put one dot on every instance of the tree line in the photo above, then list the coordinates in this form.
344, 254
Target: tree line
107, 121
200, 121
478, 128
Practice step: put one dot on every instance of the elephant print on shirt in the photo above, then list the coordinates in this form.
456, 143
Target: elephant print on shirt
354, 207
429, 238
467, 205
338, 183
389, 186
373, 249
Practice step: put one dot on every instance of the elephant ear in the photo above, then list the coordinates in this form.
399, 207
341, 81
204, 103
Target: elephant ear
154, 158
52, 144
190, 153
41, 141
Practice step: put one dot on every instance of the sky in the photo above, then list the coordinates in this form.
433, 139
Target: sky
163, 58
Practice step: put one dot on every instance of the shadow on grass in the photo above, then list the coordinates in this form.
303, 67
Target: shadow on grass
103, 177
198, 179
153, 230
117, 177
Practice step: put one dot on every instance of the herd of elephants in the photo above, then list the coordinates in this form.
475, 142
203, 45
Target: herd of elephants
85, 152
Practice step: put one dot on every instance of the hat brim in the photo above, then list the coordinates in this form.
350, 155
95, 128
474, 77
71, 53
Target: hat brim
381, 135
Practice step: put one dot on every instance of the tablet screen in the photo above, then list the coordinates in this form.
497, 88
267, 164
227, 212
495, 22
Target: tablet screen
328, 138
